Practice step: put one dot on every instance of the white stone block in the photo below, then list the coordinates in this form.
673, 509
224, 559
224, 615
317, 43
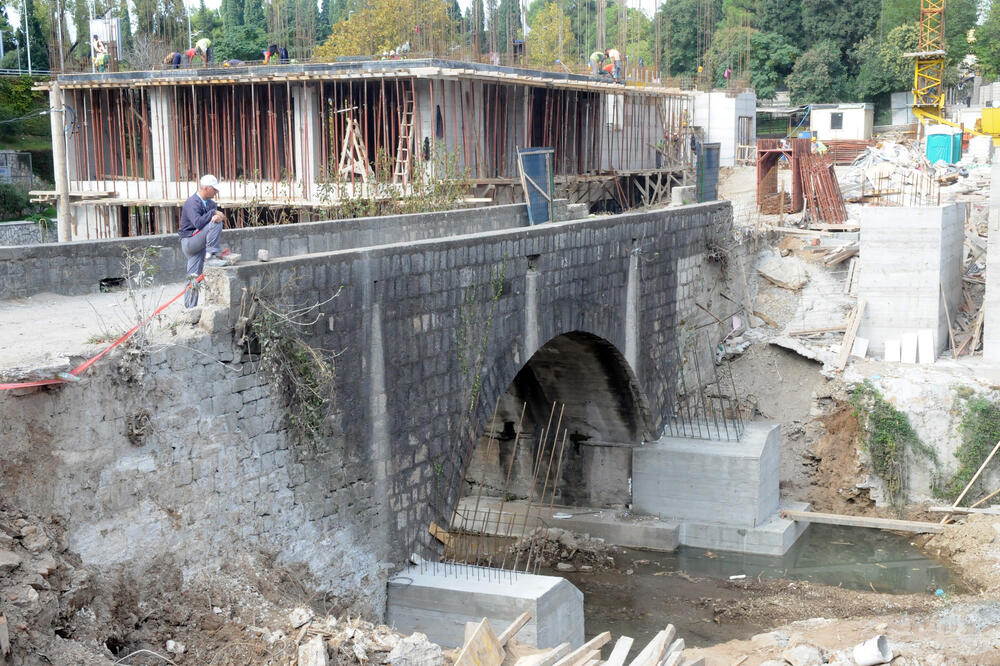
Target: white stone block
908, 348
925, 346
892, 351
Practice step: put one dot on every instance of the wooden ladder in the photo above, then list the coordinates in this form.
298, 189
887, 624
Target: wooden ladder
401, 174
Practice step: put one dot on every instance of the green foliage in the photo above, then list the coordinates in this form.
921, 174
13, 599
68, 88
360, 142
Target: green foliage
551, 36
253, 15
980, 430
818, 75
231, 12
888, 437
302, 374
987, 44
882, 69
783, 17
241, 43
844, 23
772, 58
13, 202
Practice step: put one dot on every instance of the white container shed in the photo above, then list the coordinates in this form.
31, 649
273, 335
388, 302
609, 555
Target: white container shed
842, 121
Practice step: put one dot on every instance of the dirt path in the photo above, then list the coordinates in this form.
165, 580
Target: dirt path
45, 333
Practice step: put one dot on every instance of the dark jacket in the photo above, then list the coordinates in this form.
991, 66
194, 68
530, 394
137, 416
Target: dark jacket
195, 214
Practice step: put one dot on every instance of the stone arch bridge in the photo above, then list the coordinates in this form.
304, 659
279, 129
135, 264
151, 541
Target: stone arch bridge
589, 313
436, 318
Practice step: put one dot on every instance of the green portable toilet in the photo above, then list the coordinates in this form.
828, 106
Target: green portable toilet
944, 143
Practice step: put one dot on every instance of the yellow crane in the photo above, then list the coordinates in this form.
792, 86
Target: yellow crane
928, 70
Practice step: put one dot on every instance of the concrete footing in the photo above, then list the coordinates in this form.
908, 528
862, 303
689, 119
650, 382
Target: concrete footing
723, 494
508, 519
438, 600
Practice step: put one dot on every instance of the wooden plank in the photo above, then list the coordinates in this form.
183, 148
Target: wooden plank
656, 648
441, 534
620, 651
482, 649
852, 331
767, 320
592, 655
813, 331
593, 644
514, 627
920, 527
545, 658
994, 511
974, 478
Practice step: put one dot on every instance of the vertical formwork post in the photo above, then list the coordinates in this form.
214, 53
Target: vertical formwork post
56, 115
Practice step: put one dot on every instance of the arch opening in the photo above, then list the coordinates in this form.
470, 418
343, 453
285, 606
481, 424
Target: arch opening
583, 411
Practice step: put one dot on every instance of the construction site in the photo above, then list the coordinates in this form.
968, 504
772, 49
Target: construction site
504, 367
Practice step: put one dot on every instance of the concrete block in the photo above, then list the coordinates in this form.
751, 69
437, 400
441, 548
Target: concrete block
687, 479
909, 256
439, 600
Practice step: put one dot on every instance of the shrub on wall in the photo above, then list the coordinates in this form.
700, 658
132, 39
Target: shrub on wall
13, 202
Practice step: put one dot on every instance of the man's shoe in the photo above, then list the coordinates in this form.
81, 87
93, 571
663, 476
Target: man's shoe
215, 261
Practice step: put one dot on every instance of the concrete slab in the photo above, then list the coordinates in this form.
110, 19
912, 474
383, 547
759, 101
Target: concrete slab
633, 531
774, 538
438, 600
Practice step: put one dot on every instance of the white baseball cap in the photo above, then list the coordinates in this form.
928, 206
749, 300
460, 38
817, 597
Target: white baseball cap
208, 180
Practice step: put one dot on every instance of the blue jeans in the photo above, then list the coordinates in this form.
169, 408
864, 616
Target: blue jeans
195, 248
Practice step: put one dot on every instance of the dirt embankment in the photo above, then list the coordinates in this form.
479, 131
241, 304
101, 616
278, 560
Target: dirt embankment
974, 547
53, 610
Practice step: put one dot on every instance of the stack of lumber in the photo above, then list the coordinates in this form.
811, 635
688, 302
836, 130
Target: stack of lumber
483, 647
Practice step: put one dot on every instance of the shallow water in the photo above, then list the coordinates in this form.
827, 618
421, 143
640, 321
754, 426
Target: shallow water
851, 557
682, 587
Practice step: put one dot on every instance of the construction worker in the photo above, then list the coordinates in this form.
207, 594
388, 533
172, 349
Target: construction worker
101, 56
173, 59
201, 233
616, 60
204, 48
596, 58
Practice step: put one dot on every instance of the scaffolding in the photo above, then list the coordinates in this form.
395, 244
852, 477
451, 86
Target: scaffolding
278, 138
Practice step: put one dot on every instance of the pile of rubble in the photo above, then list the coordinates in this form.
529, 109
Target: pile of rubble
41, 586
564, 550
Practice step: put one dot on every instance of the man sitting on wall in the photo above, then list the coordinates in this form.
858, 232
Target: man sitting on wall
201, 232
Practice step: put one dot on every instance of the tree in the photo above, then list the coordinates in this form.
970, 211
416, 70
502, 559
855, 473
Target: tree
385, 24
242, 42
783, 17
680, 33
551, 33
882, 68
844, 22
987, 44
253, 14
818, 76
205, 21
508, 23
232, 13
772, 58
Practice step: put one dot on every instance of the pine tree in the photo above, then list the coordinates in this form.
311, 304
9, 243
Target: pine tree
253, 14
232, 13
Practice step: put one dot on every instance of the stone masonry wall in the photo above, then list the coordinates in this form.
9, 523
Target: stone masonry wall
187, 453
78, 267
25, 233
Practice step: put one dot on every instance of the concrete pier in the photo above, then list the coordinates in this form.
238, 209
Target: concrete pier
437, 600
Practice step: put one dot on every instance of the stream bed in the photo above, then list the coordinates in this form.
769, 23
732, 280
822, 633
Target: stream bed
691, 588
